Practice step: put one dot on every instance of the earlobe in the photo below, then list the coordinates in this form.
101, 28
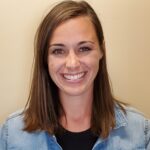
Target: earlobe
101, 56
102, 50
101, 53
103, 45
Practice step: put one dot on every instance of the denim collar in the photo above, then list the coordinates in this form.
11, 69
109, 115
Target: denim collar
121, 121
120, 116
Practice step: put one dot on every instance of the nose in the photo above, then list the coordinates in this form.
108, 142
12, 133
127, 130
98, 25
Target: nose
72, 60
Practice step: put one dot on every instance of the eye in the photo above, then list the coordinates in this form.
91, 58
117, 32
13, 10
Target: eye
84, 49
58, 51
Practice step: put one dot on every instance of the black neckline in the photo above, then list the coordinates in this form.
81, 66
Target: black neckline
78, 132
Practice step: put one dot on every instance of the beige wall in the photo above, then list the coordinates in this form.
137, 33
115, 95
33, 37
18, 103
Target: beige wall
126, 27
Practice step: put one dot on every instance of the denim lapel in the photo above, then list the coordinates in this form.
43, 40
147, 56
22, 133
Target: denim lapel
121, 118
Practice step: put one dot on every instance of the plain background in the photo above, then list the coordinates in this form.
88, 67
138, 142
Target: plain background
126, 25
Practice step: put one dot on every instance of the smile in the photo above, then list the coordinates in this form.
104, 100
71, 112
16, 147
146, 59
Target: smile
73, 77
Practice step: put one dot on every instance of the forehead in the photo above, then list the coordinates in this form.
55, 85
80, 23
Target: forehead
79, 28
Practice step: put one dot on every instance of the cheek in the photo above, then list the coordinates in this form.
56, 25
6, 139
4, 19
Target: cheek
51, 66
54, 66
93, 60
94, 64
50, 70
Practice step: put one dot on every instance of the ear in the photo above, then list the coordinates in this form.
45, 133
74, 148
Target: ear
103, 45
102, 50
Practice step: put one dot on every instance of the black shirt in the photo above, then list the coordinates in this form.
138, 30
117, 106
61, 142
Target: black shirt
84, 140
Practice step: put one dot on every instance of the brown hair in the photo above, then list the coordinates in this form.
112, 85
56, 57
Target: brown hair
42, 109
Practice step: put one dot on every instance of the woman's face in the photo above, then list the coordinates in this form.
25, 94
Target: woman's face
74, 55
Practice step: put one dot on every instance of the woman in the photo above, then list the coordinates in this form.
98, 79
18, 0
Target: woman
71, 106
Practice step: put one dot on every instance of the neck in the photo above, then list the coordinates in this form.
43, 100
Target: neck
77, 111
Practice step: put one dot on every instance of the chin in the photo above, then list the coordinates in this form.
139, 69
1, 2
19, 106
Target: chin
75, 91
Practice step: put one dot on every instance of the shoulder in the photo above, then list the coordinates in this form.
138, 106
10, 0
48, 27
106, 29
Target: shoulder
15, 119
134, 114
138, 119
130, 113
136, 124
12, 133
12, 125
134, 117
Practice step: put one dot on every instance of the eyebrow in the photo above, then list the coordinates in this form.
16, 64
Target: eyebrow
62, 45
83, 42
56, 44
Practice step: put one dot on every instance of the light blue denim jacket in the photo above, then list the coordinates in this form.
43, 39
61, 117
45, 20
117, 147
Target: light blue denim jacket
132, 132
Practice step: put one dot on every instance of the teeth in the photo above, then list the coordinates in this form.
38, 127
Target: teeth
74, 77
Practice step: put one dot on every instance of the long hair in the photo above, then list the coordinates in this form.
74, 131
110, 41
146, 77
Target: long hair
42, 108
